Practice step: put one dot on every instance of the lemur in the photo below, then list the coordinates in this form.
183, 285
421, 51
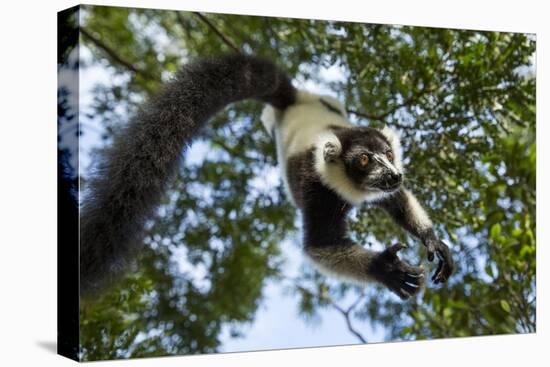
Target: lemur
328, 166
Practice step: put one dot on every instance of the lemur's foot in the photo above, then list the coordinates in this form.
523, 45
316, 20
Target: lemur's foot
331, 152
401, 278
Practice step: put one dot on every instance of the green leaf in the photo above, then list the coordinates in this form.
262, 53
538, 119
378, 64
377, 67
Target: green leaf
505, 305
489, 270
495, 231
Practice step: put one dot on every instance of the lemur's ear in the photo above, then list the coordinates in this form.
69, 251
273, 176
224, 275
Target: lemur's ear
328, 148
395, 142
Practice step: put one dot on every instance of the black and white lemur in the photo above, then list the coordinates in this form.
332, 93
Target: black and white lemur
327, 164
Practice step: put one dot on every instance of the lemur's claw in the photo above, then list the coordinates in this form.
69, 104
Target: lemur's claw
445, 266
394, 249
431, 251
401, 278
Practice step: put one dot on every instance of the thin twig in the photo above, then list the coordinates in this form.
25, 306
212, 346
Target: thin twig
232, 151
364, 115
113, 55
223, 37
382, 116
346, 313
186, 29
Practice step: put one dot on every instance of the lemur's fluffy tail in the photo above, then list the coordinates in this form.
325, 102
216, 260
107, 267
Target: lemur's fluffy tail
134, 172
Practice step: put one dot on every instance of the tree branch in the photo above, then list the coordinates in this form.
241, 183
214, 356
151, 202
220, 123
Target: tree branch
322, 296
231, 151
223, 37
346, 314
382, 116
113, 55
185, 27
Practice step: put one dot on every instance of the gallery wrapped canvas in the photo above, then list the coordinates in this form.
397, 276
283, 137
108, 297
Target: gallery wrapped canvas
239, 183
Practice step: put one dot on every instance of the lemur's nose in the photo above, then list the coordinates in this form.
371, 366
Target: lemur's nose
396, 176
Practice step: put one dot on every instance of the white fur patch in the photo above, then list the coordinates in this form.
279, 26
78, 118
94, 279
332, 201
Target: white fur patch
282, 159
304, 97
333, 174
382, 159
304, 121
418, 214
270, 117
395, 142
334, 103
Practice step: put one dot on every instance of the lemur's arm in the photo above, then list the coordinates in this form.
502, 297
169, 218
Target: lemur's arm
409, 214
333, 252
353, 262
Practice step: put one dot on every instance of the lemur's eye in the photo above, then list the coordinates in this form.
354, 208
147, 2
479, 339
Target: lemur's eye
389, 155
364, 160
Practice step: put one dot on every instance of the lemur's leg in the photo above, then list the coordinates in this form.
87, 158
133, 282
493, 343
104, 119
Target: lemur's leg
409, 214
359, 265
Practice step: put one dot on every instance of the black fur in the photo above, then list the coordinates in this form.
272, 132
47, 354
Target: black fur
134, 172
324, 212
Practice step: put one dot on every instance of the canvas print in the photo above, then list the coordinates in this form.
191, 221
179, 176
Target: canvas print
238, 183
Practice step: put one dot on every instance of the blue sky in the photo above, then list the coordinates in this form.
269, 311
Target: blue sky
277, 324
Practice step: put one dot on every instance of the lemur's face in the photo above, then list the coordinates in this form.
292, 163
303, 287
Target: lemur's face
370, 160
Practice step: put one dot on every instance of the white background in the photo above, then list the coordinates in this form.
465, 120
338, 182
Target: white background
28, 181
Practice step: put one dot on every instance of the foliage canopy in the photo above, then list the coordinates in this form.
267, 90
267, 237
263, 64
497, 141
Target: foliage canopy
464, 102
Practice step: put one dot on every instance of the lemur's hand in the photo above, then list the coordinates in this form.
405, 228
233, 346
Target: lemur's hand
401, 278
445, 266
